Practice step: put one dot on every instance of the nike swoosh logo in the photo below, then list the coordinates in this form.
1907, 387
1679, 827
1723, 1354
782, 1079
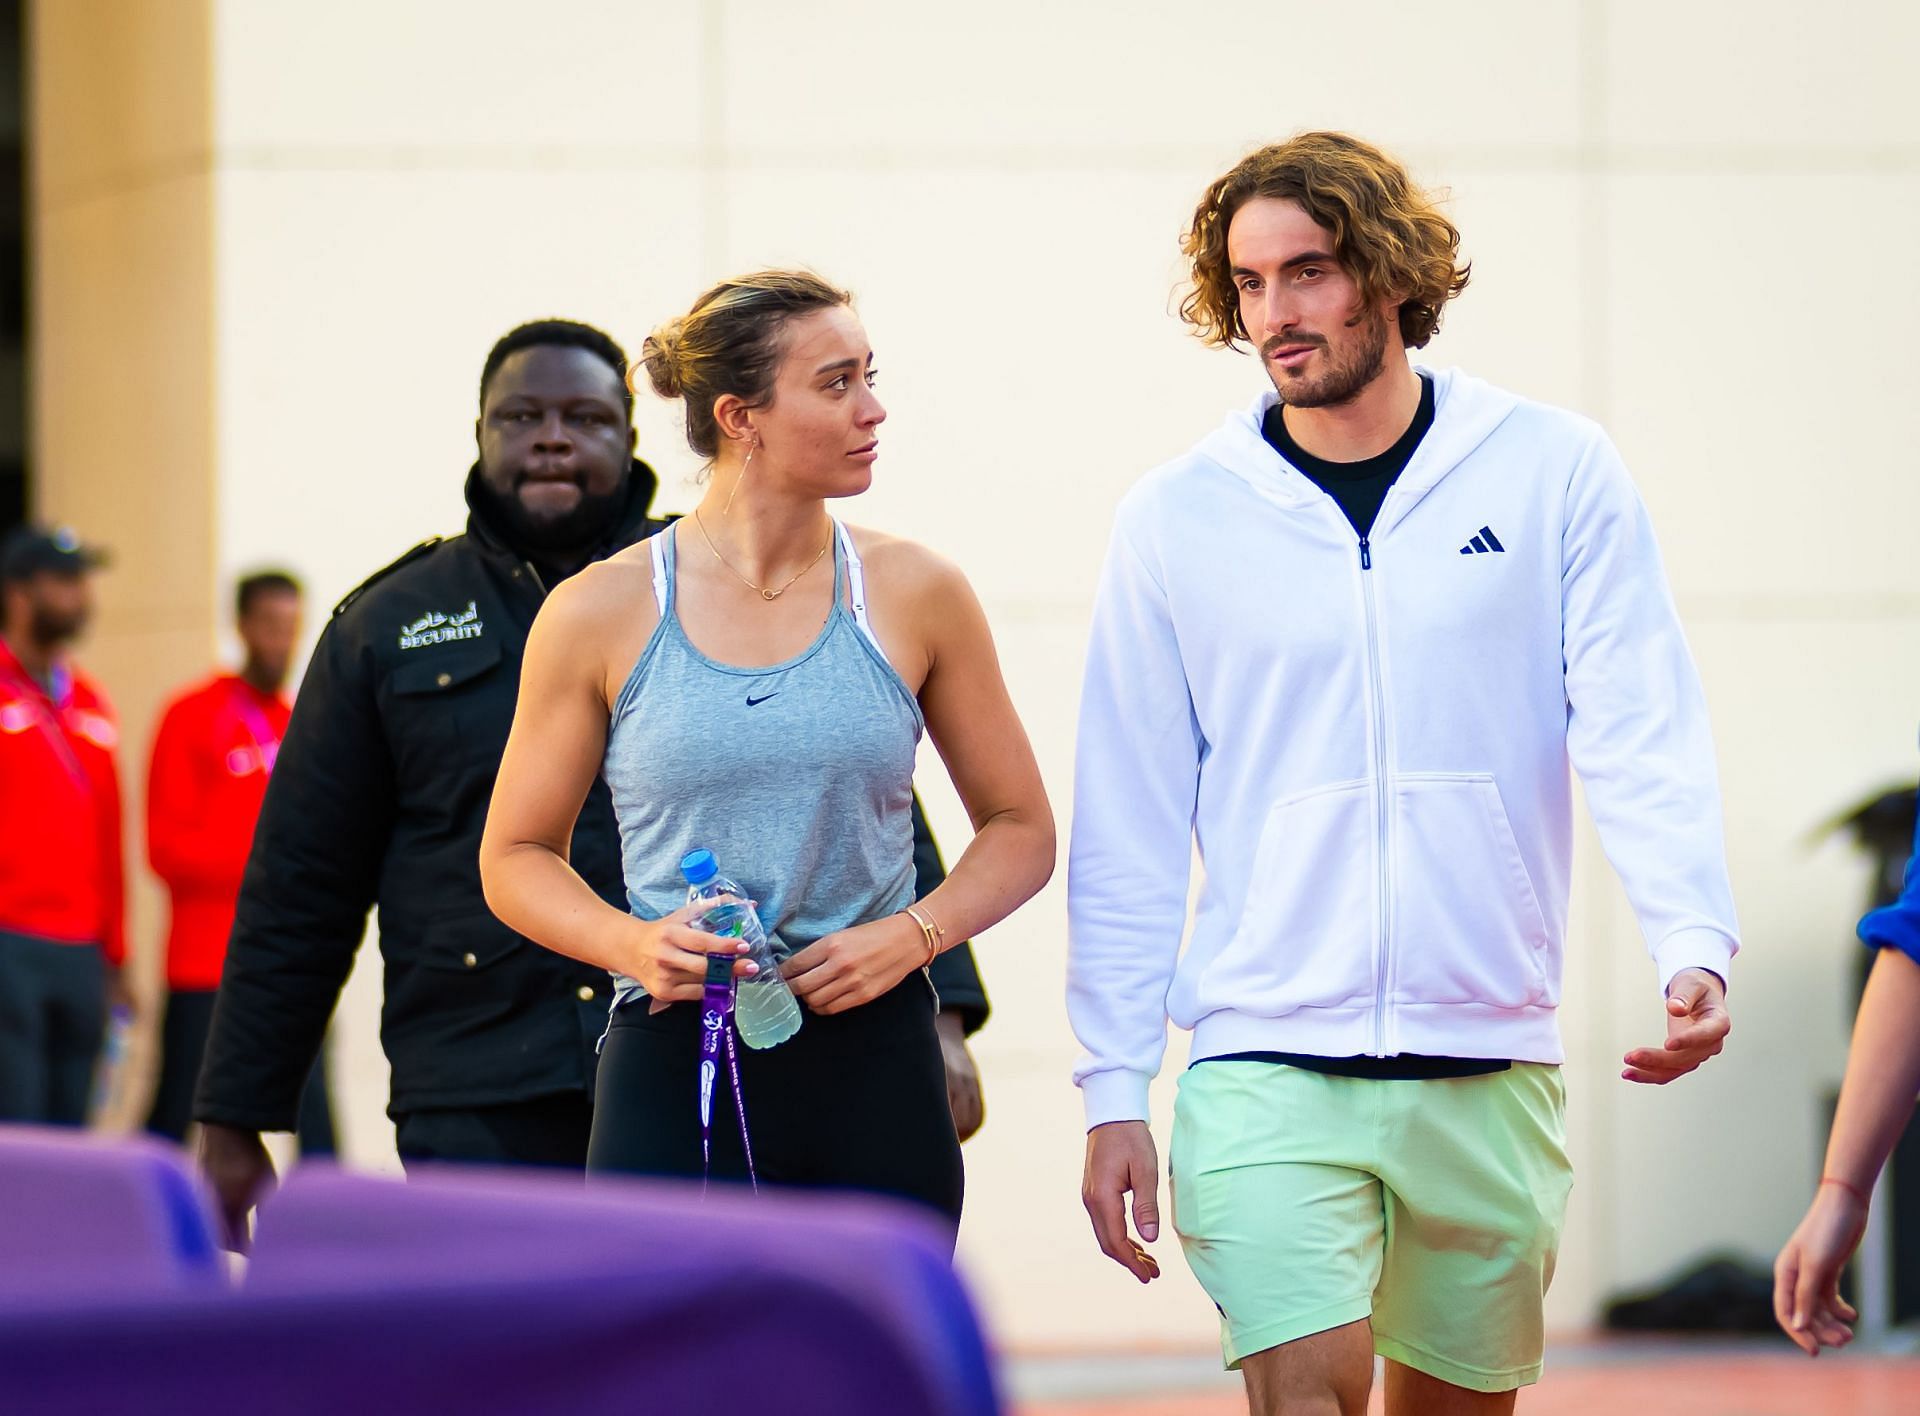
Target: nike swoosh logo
751, 700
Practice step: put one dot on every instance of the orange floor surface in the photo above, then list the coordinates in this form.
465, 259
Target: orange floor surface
1708, 1386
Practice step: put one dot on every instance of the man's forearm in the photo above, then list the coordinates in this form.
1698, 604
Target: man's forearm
268, 1021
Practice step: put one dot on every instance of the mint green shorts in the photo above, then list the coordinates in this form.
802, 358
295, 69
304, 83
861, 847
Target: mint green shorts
1305, 1202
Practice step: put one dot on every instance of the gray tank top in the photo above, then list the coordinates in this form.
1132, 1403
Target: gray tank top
797, 776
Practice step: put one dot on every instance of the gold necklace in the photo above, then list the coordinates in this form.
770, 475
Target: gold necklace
765, 593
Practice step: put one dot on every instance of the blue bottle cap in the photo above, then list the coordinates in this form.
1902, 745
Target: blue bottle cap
699, 867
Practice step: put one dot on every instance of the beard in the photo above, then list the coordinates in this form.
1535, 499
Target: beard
581, 526
268, 672
1346, 373
51, 628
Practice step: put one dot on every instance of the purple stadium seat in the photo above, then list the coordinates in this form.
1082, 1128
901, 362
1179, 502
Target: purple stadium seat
83, 1214
486, 1292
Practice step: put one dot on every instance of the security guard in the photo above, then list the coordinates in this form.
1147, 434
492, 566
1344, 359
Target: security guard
381, 791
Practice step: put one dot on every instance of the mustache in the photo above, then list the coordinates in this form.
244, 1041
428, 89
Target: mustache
1286, 341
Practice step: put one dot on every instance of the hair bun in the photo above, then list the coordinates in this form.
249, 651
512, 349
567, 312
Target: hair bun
660, 354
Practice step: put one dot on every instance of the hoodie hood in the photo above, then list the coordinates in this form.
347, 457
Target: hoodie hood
1466, 411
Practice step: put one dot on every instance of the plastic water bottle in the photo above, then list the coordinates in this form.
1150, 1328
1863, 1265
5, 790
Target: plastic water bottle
109, 1072
764, 1008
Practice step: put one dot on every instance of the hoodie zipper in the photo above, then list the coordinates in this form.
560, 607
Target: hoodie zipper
1383, 806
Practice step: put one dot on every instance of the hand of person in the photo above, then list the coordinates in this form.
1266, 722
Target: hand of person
1121, 1158
855, 966
238, 1167
963, 1077
1697, 1026
669, 956
1806, 1276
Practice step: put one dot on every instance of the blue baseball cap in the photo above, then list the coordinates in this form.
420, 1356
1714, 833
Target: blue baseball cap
30, 550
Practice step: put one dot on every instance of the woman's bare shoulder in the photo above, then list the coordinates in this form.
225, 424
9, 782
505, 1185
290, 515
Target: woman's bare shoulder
907, 567
602, 603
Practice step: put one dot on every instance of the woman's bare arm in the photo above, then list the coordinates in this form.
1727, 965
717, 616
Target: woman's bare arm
972, 721
553, 754
1876, 1103
934, 619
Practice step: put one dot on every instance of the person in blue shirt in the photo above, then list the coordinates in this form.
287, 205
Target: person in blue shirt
1876, 1102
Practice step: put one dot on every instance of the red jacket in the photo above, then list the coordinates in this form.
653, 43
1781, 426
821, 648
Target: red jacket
60, 857
211, 759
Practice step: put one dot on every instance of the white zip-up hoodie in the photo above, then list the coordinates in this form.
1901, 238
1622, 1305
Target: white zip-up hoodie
1369, 741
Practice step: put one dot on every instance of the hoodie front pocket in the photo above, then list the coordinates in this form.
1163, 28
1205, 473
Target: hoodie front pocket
1467, 925
1305, 938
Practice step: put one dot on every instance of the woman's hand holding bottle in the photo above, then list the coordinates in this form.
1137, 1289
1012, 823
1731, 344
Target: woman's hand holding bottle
669, 955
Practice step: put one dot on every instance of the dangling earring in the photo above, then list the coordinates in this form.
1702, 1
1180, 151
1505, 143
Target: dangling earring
728, 508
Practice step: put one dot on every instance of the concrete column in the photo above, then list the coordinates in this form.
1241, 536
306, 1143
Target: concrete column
122, 253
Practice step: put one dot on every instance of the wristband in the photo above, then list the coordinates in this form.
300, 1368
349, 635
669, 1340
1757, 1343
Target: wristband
1851, 1189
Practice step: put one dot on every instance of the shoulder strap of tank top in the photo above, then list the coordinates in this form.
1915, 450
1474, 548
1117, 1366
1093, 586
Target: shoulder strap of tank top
661, 584
857, 586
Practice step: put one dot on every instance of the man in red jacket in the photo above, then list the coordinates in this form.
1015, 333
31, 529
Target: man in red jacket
61, 931
211, 759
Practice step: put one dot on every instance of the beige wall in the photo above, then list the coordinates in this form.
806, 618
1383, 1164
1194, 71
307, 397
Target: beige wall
1677, 218
122, 348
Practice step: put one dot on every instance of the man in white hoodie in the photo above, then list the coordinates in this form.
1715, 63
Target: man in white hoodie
1350, 645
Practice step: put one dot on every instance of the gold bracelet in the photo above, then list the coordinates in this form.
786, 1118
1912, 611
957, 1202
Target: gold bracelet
929, 928
928, 931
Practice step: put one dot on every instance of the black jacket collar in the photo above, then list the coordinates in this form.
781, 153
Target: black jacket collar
630, 525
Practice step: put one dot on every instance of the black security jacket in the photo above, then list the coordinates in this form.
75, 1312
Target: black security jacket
377, 800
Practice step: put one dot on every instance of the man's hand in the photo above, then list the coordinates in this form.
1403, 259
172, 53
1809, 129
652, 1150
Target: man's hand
1121, 1158
1697, 1026
963, 1077
236, 1164
1806, 1276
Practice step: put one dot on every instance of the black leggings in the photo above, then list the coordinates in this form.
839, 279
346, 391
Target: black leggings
854, 1100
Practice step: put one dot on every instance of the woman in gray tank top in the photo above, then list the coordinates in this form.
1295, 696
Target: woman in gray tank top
755, 681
